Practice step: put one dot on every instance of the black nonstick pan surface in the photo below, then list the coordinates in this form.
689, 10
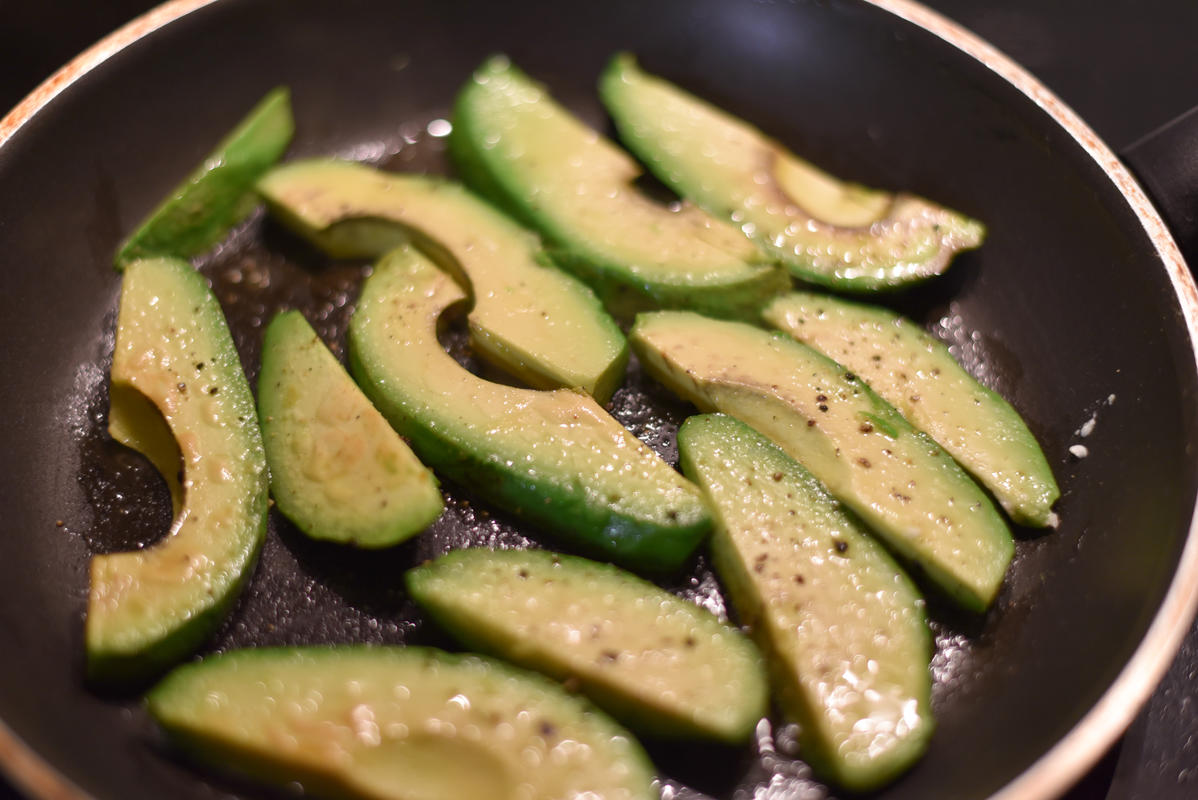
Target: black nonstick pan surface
1076, 308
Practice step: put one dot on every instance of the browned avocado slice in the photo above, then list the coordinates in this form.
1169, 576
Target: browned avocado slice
178, 394
397, 723
825, 231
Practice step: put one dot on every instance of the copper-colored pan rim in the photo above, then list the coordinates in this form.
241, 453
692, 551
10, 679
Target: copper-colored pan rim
1077, 751
91, 58
27, 770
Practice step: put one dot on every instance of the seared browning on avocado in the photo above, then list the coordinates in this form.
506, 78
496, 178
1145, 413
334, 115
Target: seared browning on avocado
825, 231
899, 481
199, 212
399, 724
176, 378
577, 189
917, 374
658, 663
841, 625
554, 457
337, 469
536, 321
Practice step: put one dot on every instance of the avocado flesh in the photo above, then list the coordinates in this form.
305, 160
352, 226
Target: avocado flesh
554, 457
535, 321
844, 630
175, 371
577, 189
899, 481
199, 212
337, 469
658, 663
397, 724
825, 231
134, 421
917, 374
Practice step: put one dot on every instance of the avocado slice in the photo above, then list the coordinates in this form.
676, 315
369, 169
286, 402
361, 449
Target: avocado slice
917, 374
199, 212
176, 376
843, 628
554, 457
337, 469
512, 140
398, 724
658, 663
825, 231
899, 481
535, 321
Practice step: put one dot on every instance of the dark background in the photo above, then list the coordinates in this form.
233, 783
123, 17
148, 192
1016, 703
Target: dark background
1126, 66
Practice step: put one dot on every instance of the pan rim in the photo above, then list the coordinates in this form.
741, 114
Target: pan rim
1079, 749
1067, 761
27, 770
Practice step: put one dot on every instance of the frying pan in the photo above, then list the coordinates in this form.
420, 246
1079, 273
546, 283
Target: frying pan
1078, 306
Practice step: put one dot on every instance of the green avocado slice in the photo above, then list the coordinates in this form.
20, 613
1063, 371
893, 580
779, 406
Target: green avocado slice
658, 663
199, 212
577, 188
899, 481
176, 378
844, 630
916, 373
337, 469
397, 723
825, 231
554, 457
535, 321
